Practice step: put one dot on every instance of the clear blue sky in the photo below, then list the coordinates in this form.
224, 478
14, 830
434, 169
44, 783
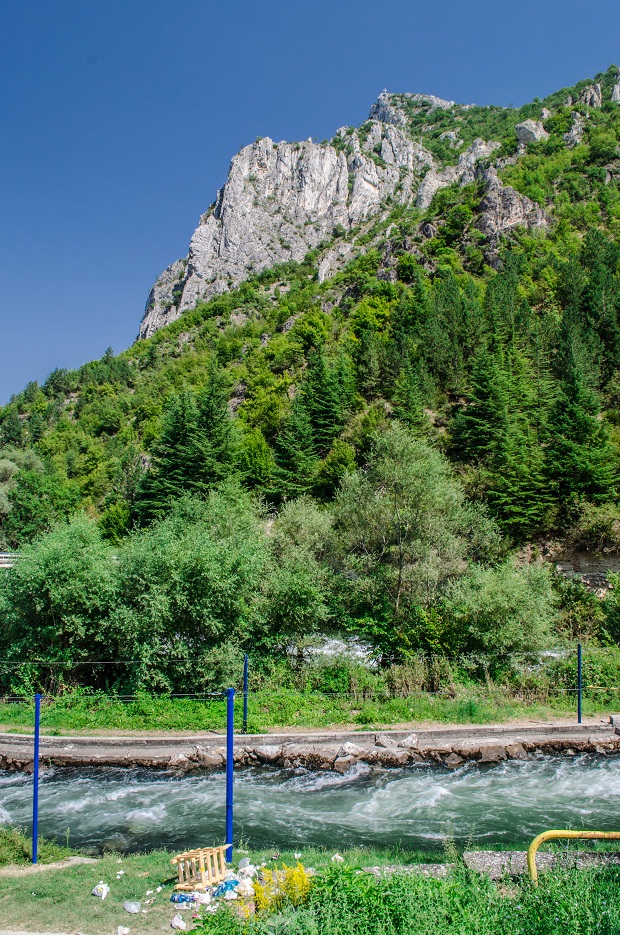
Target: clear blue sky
119, 118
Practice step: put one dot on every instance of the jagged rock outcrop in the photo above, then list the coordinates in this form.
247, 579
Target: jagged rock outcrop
464, 172
615, 91
575, 134
502, 209
592, 96
282, 199
530, 131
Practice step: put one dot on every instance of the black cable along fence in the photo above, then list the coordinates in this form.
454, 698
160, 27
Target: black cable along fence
526, 677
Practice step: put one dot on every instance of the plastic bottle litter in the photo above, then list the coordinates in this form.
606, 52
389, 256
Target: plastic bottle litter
101, 890
226, 887
131, 906
178, 922
182, 898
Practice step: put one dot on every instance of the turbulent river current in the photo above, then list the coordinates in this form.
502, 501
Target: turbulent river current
418, 807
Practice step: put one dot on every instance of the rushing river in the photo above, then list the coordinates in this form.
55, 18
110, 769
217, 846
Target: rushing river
417, 806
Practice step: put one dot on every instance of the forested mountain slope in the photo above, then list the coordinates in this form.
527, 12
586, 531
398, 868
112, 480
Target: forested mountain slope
452, 302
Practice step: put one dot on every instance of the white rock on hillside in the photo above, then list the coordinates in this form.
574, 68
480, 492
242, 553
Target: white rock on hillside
282, 199
530, 131
615, 94
592, 95
463, 171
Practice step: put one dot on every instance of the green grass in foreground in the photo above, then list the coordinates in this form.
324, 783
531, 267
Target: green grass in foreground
342, 901
280, 709
16, 848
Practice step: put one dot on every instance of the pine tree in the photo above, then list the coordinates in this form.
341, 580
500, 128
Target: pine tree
582, 463
296, 459
409, 401
176, 459
215, 438
519, 493
195, 451
322, 402
478, 431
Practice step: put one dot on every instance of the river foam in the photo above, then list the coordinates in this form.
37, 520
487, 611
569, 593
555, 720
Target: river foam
416, 806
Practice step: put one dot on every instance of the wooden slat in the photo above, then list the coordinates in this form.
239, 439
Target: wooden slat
200, 868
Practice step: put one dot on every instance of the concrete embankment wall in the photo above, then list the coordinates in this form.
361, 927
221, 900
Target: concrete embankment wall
314, 750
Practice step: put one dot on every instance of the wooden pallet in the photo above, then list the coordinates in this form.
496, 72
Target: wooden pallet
201, 868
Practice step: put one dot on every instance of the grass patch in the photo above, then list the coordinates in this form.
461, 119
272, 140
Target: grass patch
342, 901
16, 848
270, 710
345, 902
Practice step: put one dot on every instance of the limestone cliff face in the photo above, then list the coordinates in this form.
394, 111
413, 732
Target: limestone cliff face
282, 199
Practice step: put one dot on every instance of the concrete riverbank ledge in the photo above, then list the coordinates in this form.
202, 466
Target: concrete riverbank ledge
450, 747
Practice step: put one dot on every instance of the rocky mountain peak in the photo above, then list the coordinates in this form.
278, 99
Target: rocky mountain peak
282, 199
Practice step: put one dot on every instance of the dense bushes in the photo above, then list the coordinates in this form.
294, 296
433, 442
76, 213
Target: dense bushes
400, 557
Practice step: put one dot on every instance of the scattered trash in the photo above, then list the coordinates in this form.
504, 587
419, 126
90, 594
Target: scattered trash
119, 874
337, 859
131, 906
202, 899
276, 856
296, 855
148, 892
231, 894
226, 887
182, 898
159, 889
101, 890
244, 863
246, 887
178, 922
121, 930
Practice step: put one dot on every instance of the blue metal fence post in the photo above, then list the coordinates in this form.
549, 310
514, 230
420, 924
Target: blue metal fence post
230, 763
35, 779
245, 694
579, 683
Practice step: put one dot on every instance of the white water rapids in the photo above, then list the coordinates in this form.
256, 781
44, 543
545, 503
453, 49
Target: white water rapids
417, 807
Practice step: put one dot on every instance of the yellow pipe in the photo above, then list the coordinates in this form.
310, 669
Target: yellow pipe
553, 835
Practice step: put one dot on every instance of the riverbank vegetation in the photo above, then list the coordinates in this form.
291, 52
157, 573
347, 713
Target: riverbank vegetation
391, 453
341, 900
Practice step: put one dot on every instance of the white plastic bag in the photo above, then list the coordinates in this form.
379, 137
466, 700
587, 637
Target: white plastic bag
178, 922
101, 890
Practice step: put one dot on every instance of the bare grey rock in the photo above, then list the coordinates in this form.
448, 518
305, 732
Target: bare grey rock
464, 172
268, 753
344, 763
410, 741
615, 93
574, 136
350, 749
503, 209
162, 305
492, 753
592, 96
281, 200
384, 740
516, 751
530, 131
384, 110
453, 761
432, 100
